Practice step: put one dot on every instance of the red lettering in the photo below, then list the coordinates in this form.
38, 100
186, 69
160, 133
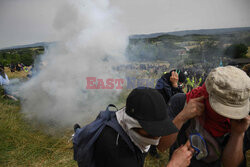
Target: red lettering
100, 84
119, 81
110, 83
90, 83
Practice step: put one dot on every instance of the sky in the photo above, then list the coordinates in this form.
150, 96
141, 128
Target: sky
30, 21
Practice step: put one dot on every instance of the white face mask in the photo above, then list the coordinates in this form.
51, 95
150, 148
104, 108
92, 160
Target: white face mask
128, 123
141, 142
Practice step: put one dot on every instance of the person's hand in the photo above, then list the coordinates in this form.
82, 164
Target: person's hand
195, 107
174, 79
181, 156
239, 127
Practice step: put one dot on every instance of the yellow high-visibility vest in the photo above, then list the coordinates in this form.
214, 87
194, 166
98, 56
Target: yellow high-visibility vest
26, 69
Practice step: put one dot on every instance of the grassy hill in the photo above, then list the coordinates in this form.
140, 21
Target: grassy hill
173, 46
22, 144
25, 143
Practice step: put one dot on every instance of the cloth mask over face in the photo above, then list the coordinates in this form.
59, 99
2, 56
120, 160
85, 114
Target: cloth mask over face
214, 123
128, 123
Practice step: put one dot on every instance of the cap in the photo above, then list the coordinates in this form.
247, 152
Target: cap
229, 91
148, 107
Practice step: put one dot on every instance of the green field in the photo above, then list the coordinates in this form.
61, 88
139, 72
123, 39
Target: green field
22, 144
25, 143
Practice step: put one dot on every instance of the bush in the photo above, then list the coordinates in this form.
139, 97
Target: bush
27, 59
237, 51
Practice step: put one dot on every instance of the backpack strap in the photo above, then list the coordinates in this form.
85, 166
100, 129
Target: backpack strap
113, 123
111, 105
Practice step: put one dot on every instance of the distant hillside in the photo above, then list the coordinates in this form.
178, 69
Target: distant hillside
190, 32
222, 31
173, 47
43, 44
25, 54
186, 46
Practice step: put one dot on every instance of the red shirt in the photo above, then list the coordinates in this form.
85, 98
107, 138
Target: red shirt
214, 123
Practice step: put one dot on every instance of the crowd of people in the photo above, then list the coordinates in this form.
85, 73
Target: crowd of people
149, 67
206, 126
195, 75
17, 67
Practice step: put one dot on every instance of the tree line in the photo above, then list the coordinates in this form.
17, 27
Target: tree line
24, 56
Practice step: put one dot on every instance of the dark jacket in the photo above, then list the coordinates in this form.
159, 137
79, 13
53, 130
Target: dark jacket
164, 86
112, 151
95, 144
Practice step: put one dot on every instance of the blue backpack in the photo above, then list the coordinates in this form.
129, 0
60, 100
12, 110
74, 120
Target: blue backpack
84, 138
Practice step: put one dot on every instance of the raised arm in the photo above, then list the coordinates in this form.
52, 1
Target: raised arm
232, 155
192, 109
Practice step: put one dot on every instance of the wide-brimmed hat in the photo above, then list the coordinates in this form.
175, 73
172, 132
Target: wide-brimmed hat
148, 107
229, 92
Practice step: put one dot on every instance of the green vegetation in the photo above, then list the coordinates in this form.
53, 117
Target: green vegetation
188, 49
248, 53
16, 56
24, 145
207, 51
237, 50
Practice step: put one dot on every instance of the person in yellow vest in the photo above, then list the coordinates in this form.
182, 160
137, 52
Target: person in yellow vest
193, 82
200, 81
25, 68
190, 84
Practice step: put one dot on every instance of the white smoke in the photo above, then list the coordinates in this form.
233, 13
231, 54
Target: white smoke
91, 42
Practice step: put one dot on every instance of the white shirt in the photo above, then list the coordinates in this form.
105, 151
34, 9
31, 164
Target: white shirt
4, 81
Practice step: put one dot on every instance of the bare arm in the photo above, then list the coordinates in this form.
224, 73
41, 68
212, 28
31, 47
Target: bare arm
181, 156
167, 141
232, 155
192, 109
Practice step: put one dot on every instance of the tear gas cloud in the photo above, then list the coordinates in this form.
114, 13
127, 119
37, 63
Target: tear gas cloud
91, 42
